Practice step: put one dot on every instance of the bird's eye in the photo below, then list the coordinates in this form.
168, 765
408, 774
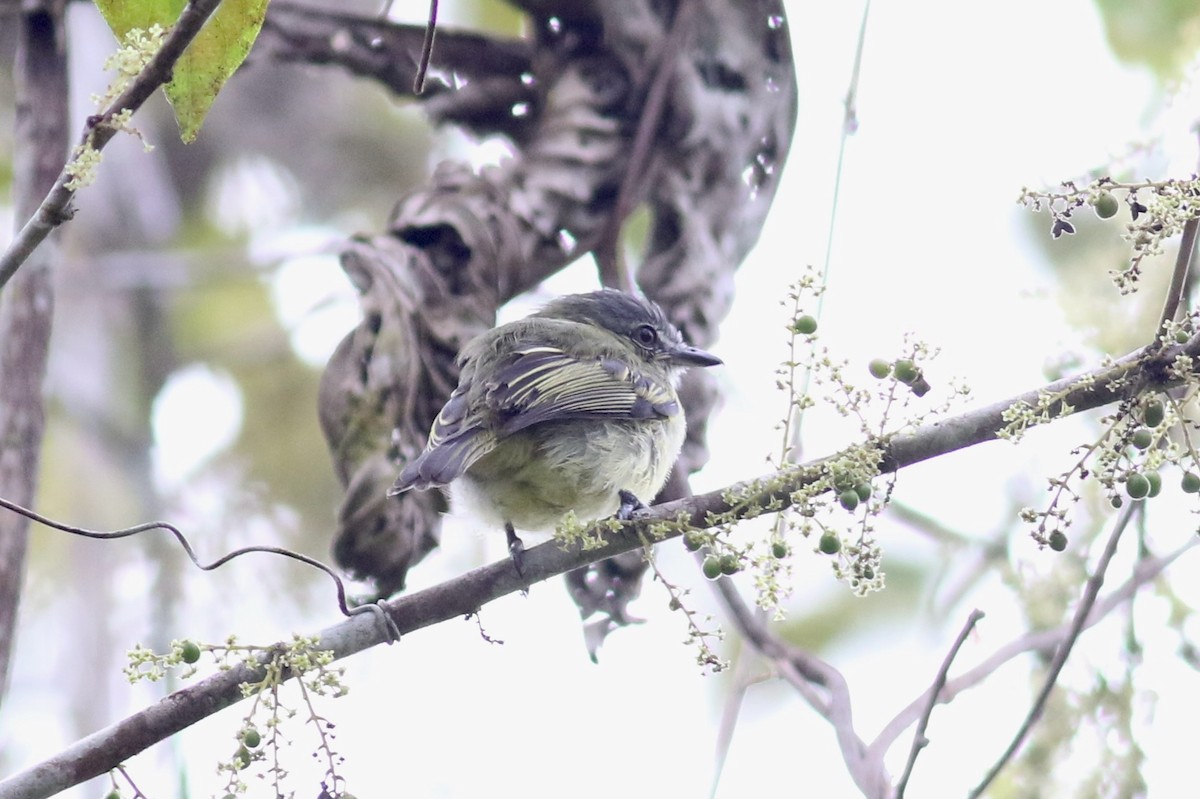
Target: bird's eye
645, 335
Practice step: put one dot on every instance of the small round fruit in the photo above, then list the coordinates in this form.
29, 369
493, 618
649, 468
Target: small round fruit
848, 499
711, 567
1155, 480
242, 757
1182, 337
1116, 500
1190, 483
1142, 438
906, 371
805, 325
863, 490
879, 368
830, 544
1137, 486
113, 794
1057, 541
1105, 205
692, 542
1152, 413
674, 604
189, 652
251, 738
780, 550
729, 564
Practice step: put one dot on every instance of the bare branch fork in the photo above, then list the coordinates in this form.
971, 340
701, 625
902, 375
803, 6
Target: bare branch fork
463, 595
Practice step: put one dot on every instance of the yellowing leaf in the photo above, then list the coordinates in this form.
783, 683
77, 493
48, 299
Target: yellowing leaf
208, 62
213, 56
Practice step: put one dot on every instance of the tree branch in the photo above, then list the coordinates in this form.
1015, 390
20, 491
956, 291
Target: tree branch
55, 208
27, 308
466, 594
919, 740
1146, 570
1090, 592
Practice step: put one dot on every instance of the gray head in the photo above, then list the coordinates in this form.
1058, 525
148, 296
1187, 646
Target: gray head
639, 319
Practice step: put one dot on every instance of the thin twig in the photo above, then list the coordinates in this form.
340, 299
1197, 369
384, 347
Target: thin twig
614, 272
1179, 275
1090, 592
1042, 640
97, 132
919, 739
849, 127
105, 535
426, 48
805, 672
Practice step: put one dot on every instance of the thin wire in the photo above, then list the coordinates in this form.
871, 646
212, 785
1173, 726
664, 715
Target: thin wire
849, 127
393, 631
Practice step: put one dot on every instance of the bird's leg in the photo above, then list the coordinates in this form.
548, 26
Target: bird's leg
516, 549
630, 505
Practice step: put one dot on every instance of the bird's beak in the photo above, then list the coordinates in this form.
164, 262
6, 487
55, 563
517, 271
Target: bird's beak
693, 356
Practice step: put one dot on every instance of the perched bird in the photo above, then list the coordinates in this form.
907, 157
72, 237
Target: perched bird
570, 409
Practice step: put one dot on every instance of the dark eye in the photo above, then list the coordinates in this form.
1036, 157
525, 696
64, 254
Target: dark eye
645, 336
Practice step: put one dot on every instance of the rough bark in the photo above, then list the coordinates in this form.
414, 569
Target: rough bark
27, 303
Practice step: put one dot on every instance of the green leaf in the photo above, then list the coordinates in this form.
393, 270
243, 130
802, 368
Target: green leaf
123, 16
209, 60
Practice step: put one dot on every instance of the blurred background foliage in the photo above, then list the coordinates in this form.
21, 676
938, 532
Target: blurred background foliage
1161, 34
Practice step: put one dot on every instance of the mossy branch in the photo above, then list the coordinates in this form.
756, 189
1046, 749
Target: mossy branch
463, 595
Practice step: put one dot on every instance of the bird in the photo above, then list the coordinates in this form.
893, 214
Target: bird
573, 408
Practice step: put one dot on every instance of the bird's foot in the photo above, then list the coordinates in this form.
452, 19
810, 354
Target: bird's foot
630, 505
516, 549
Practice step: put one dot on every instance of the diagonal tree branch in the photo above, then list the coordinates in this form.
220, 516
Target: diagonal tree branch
55, 208
467, 593
1090, 592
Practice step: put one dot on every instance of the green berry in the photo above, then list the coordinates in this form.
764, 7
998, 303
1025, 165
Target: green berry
1190, 483
1155, 480
113, 794
1181, 337
711, 567
906, 371
805, 325
1142, 438
242, 757
674, 604
829, 544
1137, 486
863, 490
1105, 205
189, 652
251, 738
779, 550
729, 564
1058, 541
1116, 501
843, 481
879, 368
1152, 413
848, 499
868, 573
692, 541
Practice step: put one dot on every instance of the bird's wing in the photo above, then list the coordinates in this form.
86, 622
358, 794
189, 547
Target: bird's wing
453, 446
533, 385
544, 383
